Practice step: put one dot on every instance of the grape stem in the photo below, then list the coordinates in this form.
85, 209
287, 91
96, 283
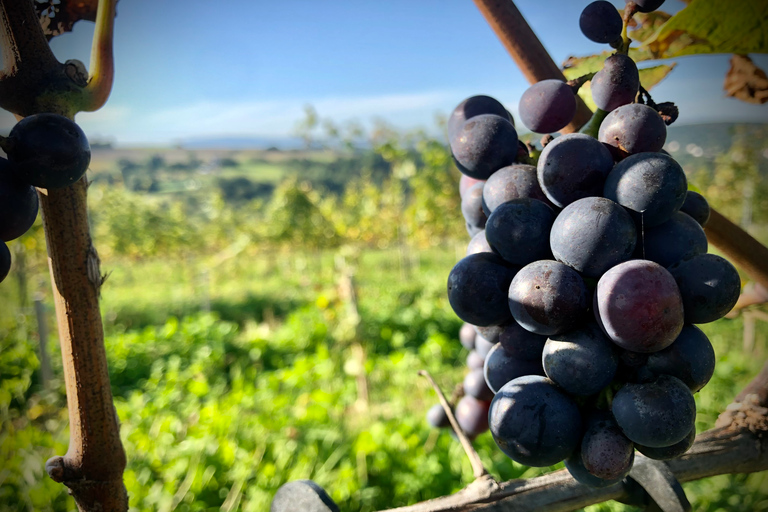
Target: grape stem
474, 459
576, 83
592, 128
629, 10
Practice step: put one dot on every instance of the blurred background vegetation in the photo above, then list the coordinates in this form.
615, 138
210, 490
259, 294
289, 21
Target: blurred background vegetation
266, 313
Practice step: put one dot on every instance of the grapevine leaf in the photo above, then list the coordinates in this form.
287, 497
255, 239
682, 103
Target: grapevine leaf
713, 26
574, 67
649, 77
745, 81
645, 24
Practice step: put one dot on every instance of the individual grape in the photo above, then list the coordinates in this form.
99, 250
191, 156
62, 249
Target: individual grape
709, 285
547, 106
649, 184
647, 5
533, 422
472, 415
500, 368
521, 343
490, 332
304, 495
592, 235
511, 182
547, 297
477, 289
678, 239
617, 83
575, 466
478, 243
474, 106
669, 452
437, 418
573, 166
605, 451
467, 336
18, 204
632, 367
48, 151
465, 182
690, 358
601, 22
655, 414
475, 385
638, 306
518, 230
483, 145
472, 207
697, 207
5, 261
582, 361
474, 360
633, 128
483, 346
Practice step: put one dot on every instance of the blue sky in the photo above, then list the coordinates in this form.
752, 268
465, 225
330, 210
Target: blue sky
247, 68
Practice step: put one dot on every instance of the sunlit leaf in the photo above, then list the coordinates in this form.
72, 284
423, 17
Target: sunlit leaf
713, 26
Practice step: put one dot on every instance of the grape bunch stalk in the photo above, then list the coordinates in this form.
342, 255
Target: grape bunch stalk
44, 150
585, 275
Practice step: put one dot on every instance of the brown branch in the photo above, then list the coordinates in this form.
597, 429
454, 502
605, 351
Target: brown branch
34, 81
739, 246
526, 50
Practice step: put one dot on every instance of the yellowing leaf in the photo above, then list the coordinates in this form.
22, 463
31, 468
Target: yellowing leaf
713, 26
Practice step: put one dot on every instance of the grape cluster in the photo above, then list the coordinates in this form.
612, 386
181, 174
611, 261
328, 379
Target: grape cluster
584, 280
44, 150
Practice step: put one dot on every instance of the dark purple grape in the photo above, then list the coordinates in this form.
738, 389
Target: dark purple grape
573, 166
534, 423
605, 451
648, 5
512, 182
5, 261
18, 204
483, 145
638, 306
575, 466
634, 128
547, 297
500, 368
601, 22
472, 206
483, 346
649, 184
437, 418
478, 243
474, 360
490, 332
465, 182
669, 452
697, 207
477, 289
467, 336
632, 367
474, 106
678, 239
472, 415
592, 235
617, 83
521, 343
518, 230
547, 106
655, 414
475, 385
690, 358
582, 361
48, 151
709, 285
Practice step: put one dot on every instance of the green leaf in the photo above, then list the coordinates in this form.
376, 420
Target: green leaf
649, 77
713, 26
